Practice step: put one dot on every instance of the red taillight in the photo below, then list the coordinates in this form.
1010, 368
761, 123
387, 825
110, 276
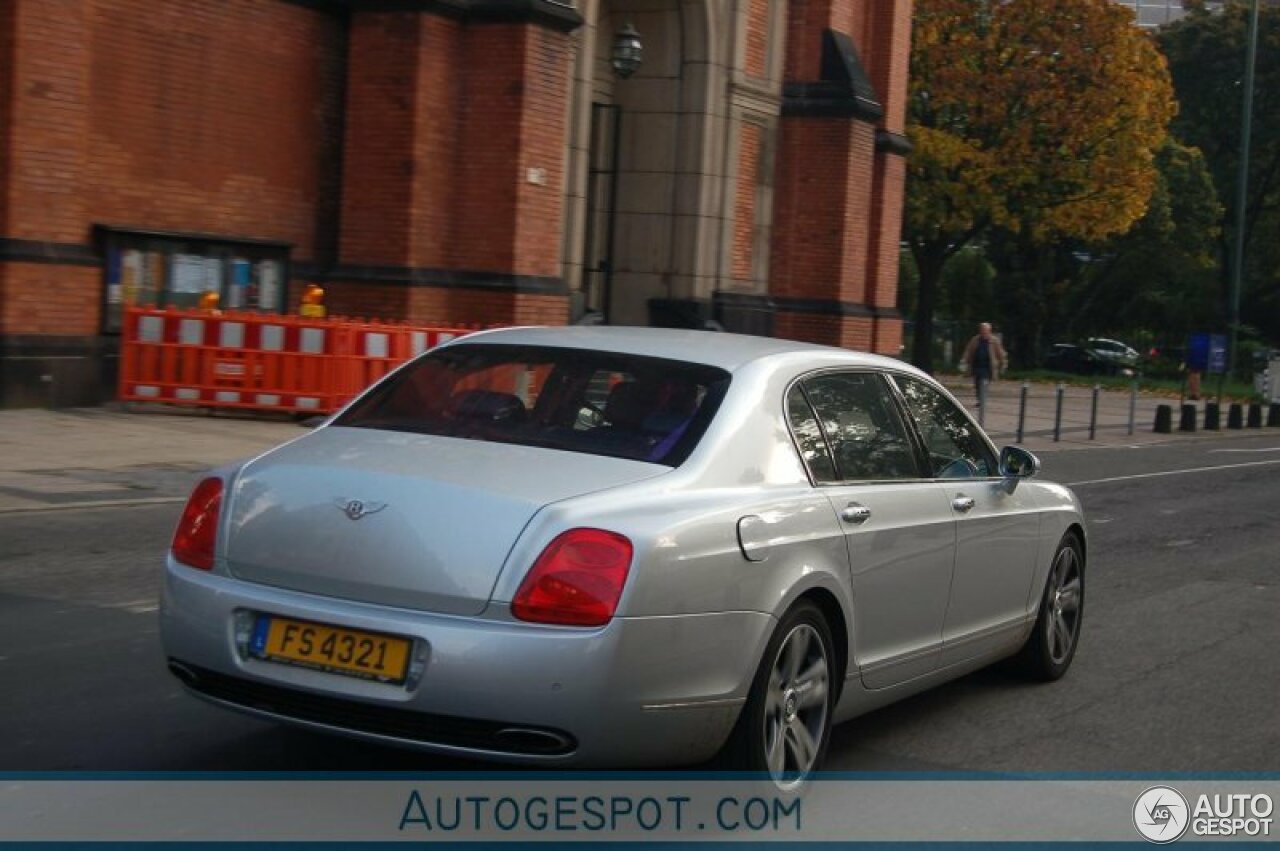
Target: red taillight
197, 532
576, 581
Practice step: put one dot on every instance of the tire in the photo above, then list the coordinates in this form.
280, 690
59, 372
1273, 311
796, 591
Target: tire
785, 725
1052, 644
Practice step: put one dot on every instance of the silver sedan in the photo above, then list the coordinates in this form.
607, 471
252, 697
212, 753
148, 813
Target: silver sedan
622, 547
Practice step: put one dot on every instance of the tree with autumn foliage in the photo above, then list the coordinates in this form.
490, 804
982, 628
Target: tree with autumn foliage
1040, 118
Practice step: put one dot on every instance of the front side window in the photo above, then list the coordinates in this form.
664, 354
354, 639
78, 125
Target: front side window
601, 403
867, 436
956, 449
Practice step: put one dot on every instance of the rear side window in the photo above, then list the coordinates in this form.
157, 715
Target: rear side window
867, 436
809, 438
601, 403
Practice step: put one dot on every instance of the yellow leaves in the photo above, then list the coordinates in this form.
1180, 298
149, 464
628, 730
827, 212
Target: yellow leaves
1039, 114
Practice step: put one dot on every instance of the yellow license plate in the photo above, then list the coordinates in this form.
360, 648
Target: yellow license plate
353, 652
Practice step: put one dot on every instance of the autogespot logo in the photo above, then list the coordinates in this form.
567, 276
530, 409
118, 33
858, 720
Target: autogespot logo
1161, 814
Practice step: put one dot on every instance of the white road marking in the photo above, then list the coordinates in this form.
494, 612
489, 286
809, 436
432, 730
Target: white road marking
138, 607
1173, 473
1267, 449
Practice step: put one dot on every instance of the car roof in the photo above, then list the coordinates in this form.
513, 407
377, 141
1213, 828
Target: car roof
714, 348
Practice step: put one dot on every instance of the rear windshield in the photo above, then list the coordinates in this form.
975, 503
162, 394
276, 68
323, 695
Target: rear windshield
601, 403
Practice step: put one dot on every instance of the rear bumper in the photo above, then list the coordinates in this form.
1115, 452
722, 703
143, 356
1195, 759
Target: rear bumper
638, 691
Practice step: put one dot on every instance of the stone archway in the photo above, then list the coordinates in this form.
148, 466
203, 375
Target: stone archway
643, 171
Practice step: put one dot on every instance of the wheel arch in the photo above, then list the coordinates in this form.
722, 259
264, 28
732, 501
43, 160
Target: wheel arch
1077, 529
840, 634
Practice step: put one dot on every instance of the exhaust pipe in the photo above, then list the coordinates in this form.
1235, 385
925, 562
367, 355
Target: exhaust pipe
530, 740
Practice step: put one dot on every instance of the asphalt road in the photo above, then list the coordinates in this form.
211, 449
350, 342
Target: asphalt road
1178, 669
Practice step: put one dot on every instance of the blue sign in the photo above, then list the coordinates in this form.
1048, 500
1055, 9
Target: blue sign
1217, 354
1207, 353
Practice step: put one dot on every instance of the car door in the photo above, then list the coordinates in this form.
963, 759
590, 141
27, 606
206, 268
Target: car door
997, 531
899, 529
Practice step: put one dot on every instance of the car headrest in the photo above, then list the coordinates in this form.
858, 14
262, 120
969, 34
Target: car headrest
486, 405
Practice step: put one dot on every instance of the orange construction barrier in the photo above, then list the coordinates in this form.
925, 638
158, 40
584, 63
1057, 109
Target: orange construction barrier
261, 361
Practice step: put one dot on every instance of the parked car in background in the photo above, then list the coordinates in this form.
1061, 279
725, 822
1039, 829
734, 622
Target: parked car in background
1117, 356
1068, 357
556, 546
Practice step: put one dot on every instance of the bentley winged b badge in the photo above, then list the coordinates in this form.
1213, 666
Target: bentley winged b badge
357, 508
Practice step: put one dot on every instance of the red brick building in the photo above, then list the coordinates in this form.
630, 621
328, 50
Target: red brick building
475, 161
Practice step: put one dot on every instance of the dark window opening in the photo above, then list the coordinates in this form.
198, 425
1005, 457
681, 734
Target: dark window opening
146, 269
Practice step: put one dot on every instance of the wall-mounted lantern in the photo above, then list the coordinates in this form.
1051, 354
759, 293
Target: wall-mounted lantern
628, 52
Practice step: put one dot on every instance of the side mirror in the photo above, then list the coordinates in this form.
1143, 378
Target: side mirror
1018, 463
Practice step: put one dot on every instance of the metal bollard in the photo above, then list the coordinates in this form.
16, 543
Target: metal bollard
1057, 417
1093, 413
1212, 417
1273, 415
1164, 419
1255, 415
1022, 412
1235, 416
1188, 422
1133, 404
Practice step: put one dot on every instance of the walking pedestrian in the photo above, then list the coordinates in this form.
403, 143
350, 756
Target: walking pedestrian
985, 358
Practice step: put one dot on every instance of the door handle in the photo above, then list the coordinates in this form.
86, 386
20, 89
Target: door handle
963, 503
855, 513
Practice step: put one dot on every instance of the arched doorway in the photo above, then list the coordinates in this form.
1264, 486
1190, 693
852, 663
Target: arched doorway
641, 196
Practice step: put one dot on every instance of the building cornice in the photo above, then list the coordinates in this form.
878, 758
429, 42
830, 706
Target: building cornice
552, 14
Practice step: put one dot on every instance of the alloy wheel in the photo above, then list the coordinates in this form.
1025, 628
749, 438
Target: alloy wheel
1062, 626
796, 707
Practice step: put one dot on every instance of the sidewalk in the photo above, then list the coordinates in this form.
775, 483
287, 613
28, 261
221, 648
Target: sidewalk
90, 457
1112, 424
83, 457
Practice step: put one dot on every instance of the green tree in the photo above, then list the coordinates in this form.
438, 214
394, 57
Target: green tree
1037, 118
1206, 54
1157, 280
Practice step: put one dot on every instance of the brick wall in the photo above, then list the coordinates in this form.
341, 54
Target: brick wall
851, 332
838, 203
885, 230
806, 20
227, 117
44, 299
438, 161
46, 164
217, 117
822, 208
183, 115
381, 163
887, 56
757, 47
8, 16
440, 306
543, 140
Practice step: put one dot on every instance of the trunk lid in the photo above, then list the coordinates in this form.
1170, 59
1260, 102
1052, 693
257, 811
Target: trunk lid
414, 521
